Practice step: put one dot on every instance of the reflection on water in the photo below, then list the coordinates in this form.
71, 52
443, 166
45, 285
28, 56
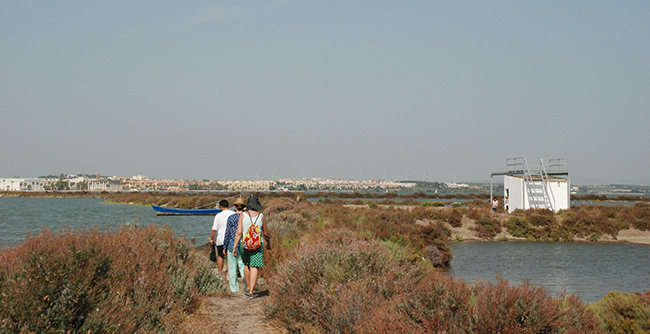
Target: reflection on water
589, 270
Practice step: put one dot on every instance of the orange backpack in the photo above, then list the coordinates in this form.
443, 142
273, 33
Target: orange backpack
252, 239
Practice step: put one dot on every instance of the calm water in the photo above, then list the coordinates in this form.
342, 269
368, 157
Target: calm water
589, 270
21, 215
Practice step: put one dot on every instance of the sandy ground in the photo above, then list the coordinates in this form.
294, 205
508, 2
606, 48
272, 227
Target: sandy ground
232, 313
240, 314
634, 236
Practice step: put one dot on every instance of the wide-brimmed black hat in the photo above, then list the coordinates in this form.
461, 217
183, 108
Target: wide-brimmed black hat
254, 204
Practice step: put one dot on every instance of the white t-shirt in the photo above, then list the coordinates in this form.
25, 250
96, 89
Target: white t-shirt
220, 223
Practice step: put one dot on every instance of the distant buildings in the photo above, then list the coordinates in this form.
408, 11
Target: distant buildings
21, 184
143, 183
105, 185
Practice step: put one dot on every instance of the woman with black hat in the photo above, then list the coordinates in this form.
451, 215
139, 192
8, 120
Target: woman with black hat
252, 223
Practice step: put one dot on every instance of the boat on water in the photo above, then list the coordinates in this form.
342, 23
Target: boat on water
163, 211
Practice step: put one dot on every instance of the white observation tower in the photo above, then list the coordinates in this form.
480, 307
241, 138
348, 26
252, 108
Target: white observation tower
543, 185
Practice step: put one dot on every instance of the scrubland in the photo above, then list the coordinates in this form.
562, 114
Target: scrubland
359, 269
335, 267
130, 280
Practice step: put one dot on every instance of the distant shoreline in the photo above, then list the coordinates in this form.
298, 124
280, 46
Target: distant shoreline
311, 194
465, 233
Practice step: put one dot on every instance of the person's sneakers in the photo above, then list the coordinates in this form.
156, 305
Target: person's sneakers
252, 296
246, 292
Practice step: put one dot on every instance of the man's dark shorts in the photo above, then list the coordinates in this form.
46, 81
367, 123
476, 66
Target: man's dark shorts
220, 251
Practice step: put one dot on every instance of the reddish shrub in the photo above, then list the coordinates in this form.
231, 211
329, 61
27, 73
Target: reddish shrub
454, 218
335, 282
477, 213
541, 220
438, 304
525, 308
91, 281
487, 228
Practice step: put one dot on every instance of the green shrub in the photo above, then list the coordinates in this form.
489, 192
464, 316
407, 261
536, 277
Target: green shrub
518, 227
434, 204
624, 312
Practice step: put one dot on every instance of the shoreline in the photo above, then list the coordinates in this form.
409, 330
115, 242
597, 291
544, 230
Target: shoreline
466, 234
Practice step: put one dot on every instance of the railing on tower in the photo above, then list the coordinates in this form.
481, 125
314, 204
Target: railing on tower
537, 179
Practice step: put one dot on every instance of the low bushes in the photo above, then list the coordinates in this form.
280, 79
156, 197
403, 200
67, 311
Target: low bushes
538, 228
525, 308
586, 221
637, 216
113, 281
340, 284
436, 304
335, 282
624, 312
293, 220
487, 228
455, 217
590, 220
519, 227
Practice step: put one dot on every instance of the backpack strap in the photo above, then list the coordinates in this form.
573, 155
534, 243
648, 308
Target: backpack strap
256, 218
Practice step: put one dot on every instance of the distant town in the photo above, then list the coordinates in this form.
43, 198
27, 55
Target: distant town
142, 183
80, 182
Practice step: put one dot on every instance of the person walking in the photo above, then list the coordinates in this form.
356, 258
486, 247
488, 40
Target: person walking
219, 229
234, 262
495, 205
253, 259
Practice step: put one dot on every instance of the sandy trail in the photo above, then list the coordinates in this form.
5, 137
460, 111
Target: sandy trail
236, 313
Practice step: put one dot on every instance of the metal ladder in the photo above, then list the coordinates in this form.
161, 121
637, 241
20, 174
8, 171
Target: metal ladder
539, 193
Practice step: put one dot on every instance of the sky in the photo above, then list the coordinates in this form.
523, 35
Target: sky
392, 90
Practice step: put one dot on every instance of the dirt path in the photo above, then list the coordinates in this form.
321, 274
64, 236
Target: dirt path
236, 313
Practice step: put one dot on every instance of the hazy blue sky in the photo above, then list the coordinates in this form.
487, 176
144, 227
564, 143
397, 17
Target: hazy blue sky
350, 89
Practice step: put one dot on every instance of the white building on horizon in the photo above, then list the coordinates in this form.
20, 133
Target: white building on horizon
104, 185
21, 184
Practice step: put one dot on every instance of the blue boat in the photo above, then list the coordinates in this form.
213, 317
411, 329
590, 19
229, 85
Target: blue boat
163, 211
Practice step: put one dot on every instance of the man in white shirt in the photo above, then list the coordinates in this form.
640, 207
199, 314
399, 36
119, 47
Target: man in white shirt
219, 229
